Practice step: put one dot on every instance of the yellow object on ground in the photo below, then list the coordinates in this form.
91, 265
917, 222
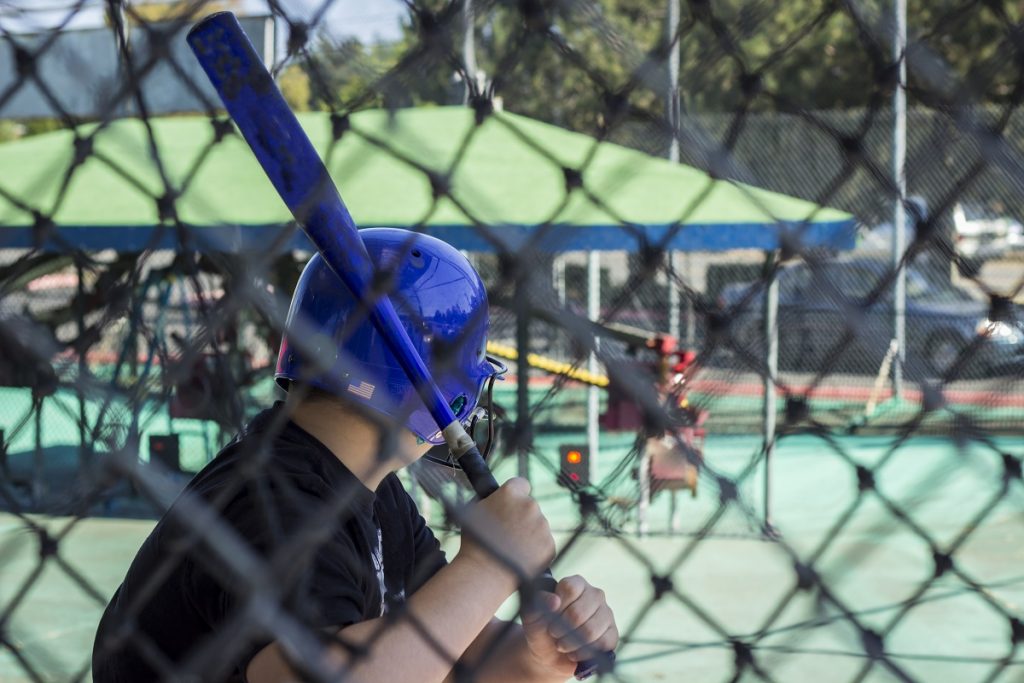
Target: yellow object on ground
550, 365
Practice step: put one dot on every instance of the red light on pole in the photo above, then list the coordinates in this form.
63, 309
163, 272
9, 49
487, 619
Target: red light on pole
575, 469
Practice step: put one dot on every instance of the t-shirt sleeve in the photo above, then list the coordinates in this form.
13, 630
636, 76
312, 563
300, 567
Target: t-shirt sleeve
316, 565
430, 559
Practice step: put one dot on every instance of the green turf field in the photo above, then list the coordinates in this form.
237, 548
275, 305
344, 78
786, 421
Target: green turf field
729, 586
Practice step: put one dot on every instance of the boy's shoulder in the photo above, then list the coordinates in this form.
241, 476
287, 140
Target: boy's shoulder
391, 494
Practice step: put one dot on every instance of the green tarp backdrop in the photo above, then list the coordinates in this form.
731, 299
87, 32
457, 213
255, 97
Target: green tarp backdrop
504, 180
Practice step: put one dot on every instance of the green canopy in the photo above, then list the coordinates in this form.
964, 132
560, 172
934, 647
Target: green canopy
506, 181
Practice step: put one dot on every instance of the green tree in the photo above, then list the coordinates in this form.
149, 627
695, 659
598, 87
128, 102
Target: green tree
294, 84
584, 65
348, 75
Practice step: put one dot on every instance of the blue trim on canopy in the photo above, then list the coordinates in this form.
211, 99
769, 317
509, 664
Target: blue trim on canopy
837, 235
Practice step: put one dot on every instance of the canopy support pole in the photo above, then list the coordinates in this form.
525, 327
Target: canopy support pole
691, 316
672, 28
771, 363
899, 219
593, 395
524, 422
468, 49
559, 277
673, 295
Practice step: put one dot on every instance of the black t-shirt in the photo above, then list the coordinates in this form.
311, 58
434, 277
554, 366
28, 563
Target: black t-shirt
303, 515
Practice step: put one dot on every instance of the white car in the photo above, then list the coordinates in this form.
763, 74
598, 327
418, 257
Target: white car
980, 231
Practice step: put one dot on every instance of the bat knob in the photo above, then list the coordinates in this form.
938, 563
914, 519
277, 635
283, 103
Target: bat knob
601, 664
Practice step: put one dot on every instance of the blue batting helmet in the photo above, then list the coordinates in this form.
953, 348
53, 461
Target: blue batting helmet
440, 300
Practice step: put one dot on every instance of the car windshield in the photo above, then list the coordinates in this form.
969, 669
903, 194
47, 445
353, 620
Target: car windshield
974, 212
920, 287
858, 280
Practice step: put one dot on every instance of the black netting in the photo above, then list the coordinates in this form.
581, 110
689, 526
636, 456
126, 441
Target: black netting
783, 438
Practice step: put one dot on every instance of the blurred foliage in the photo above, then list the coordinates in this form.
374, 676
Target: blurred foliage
145, 11
580, 64
294, 84
10, 130
349, 75
585, 65
37, 126
13, 130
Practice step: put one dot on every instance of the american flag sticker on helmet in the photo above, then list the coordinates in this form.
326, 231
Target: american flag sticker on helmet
363, 389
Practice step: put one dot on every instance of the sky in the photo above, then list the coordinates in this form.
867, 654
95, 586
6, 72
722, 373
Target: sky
368, 20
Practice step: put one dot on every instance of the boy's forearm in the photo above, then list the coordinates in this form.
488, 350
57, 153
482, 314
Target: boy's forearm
452, 608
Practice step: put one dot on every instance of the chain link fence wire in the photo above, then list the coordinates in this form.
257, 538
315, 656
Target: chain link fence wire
844, 531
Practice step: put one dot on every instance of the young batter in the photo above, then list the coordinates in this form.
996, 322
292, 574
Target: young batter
300, 525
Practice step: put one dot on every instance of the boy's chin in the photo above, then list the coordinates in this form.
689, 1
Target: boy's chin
411, 448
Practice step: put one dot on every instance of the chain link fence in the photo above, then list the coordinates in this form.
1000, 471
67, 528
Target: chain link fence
711, 425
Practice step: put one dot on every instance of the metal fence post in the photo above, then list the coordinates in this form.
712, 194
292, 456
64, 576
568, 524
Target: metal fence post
593, 395
771, 336
899, 218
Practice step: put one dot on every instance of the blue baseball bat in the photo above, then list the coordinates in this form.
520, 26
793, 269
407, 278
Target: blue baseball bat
299, 176
295, 169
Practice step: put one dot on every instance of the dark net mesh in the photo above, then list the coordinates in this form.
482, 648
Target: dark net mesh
773, 400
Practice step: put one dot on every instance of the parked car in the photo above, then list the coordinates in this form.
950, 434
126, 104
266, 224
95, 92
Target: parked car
979, 231
820, 306
984, 232
879, 237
